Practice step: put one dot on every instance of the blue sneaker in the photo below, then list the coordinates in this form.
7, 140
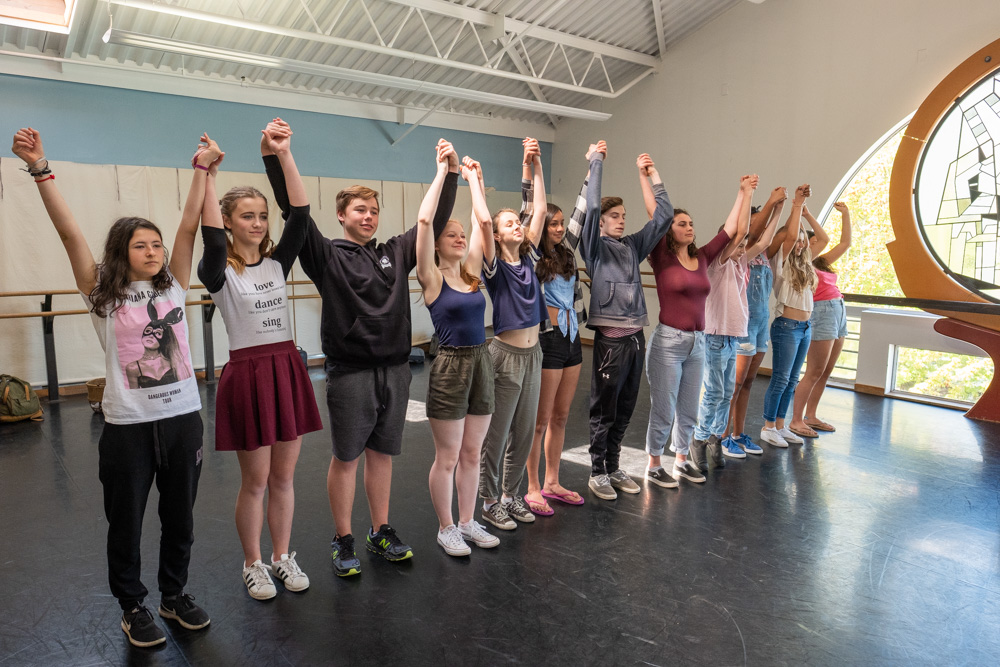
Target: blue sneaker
748, 445
731, 449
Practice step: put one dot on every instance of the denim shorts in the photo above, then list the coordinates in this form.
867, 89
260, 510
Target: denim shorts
558, 351
829, 320
758, 332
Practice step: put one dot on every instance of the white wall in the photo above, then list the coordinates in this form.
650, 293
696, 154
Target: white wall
795, 90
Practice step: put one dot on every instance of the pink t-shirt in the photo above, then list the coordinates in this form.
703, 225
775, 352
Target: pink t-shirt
682, 293
726, 311
826, 286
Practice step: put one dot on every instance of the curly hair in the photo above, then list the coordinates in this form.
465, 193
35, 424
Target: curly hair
556, 259
672, 244
228, 205
113, 272
803, 273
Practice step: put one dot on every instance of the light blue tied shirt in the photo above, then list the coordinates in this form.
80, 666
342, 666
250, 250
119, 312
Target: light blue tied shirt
559, 294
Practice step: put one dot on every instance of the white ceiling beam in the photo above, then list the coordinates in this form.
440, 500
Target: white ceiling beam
219, 19
517, 27
137, 40
658, 19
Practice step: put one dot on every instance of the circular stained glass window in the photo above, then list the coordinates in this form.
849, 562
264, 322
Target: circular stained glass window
957, 189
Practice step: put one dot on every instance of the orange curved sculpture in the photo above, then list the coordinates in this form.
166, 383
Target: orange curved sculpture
919, 273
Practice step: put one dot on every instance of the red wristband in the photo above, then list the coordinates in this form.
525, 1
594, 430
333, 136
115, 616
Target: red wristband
50, 177
198, 166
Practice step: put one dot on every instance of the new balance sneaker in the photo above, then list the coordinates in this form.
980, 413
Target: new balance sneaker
713, 451
686, 470
601, 486
258, 581
387, 544
790, 437
451, 541
732, 449
475, 533
518, 510
181, 608
497, 515
696, 454
622, 482
289, 573
660, 477
772, 437
345, 559
141, 629
748, 445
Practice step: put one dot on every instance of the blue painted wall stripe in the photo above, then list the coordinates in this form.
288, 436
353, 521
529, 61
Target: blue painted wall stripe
102, 125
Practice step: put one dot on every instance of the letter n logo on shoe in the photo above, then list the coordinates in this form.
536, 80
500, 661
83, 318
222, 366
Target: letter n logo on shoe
384, 543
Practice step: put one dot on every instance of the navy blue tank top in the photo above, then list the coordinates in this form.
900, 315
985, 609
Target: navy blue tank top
458, 317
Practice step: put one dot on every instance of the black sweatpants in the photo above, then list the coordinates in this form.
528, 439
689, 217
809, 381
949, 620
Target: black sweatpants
132, 456
614, 387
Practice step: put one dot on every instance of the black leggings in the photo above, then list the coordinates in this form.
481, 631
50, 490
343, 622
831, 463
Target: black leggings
131, 457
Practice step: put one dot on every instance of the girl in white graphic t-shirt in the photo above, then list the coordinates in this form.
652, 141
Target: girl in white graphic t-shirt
153, 428
265, 401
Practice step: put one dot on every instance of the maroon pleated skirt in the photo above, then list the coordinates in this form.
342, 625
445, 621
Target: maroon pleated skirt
265, 396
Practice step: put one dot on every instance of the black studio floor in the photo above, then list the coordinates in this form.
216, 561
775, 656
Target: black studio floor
879, 544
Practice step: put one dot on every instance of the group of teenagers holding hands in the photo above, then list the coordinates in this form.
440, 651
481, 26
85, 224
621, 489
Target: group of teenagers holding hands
494, 407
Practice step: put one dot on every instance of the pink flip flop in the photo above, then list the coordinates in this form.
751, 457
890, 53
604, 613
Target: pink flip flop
541, 509
564, 498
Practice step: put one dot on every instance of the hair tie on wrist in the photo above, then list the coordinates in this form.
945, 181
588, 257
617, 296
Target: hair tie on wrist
50, 177
198, 166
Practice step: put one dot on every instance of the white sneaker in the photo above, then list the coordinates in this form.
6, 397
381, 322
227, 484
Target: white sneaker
258, 582
289, 573
475, 533
451, 541
790, 437
772, 437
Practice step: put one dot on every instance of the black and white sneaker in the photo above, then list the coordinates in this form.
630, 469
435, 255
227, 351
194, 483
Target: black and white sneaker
182, 609
497, 515
141, 629
660, 477
687, 471
258, 581
518, 510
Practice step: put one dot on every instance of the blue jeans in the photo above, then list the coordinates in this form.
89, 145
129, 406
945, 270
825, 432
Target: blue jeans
675, 361
789, 344
720, 381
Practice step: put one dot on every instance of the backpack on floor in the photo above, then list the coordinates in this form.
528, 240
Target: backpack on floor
18, 401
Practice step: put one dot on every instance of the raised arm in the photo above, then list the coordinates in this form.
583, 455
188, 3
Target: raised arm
837, 251
527, 182
792, 225
183, 250
767, 234
27, 145
760, 219
821, 238
648, 198
212, 267
591, 233
276, 140
472, 172
738, 220
646, 238
428, 274
539, 207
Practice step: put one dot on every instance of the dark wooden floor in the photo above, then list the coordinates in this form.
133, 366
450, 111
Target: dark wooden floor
879, 544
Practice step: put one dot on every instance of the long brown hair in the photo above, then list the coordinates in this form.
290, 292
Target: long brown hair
556, 259
470, 280
228, 204
672, 244
820, 262
525, 246
113, 273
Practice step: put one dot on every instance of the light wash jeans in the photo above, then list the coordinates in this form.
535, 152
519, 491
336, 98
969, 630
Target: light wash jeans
720, 381
675, 361
789, 344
